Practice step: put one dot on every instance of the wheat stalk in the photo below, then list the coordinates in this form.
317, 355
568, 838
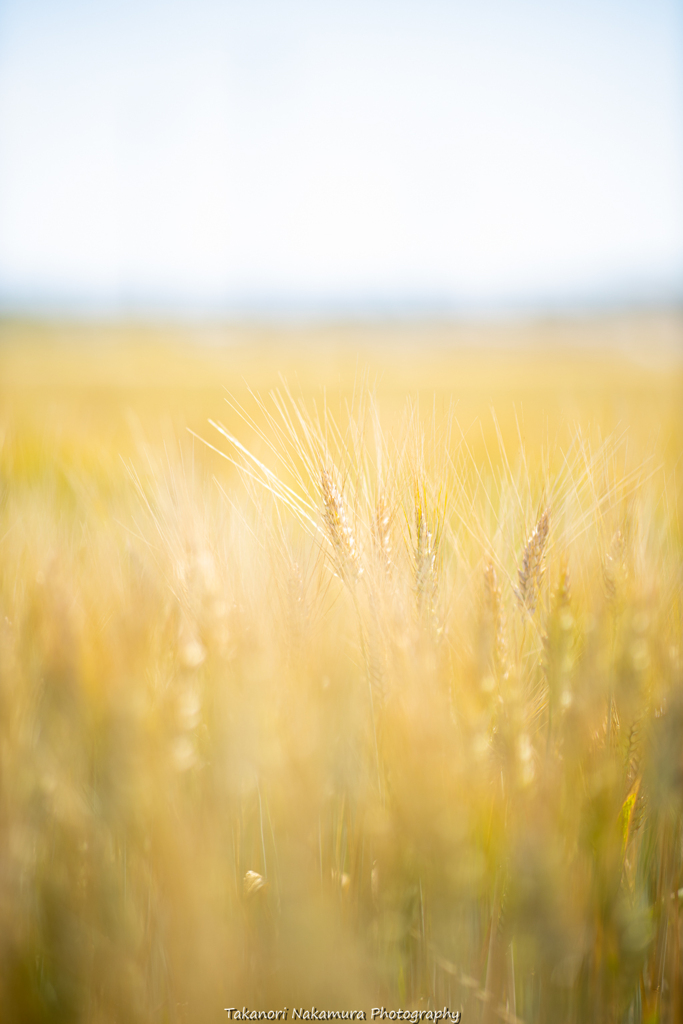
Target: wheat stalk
381, 533
425, 554
339, 531
495, 615
533, 568
614, 567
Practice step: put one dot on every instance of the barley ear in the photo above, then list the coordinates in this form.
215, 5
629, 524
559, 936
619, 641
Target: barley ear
339, 531
531, 572
425, 554
495, 615
381, 534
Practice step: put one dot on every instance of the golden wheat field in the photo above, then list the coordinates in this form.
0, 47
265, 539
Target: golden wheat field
341, 671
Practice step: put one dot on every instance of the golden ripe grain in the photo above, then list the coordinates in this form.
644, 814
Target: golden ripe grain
532, 569
339, 530
273, 731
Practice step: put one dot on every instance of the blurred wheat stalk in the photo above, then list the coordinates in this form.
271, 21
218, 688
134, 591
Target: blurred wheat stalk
381, 727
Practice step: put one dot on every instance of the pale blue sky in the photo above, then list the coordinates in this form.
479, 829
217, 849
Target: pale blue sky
263, 154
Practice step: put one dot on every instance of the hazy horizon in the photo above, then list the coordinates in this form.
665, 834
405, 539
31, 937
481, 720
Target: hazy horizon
285, 159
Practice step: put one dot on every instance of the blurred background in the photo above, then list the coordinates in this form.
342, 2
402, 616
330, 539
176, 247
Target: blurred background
281, 158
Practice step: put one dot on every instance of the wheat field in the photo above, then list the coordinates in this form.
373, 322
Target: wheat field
341, 670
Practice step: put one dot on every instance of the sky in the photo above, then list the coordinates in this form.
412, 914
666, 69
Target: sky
218, 156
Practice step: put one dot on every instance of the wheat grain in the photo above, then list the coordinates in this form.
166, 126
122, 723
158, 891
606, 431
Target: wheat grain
339, 531
425, 554
495, 620
532, 570
382, 532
